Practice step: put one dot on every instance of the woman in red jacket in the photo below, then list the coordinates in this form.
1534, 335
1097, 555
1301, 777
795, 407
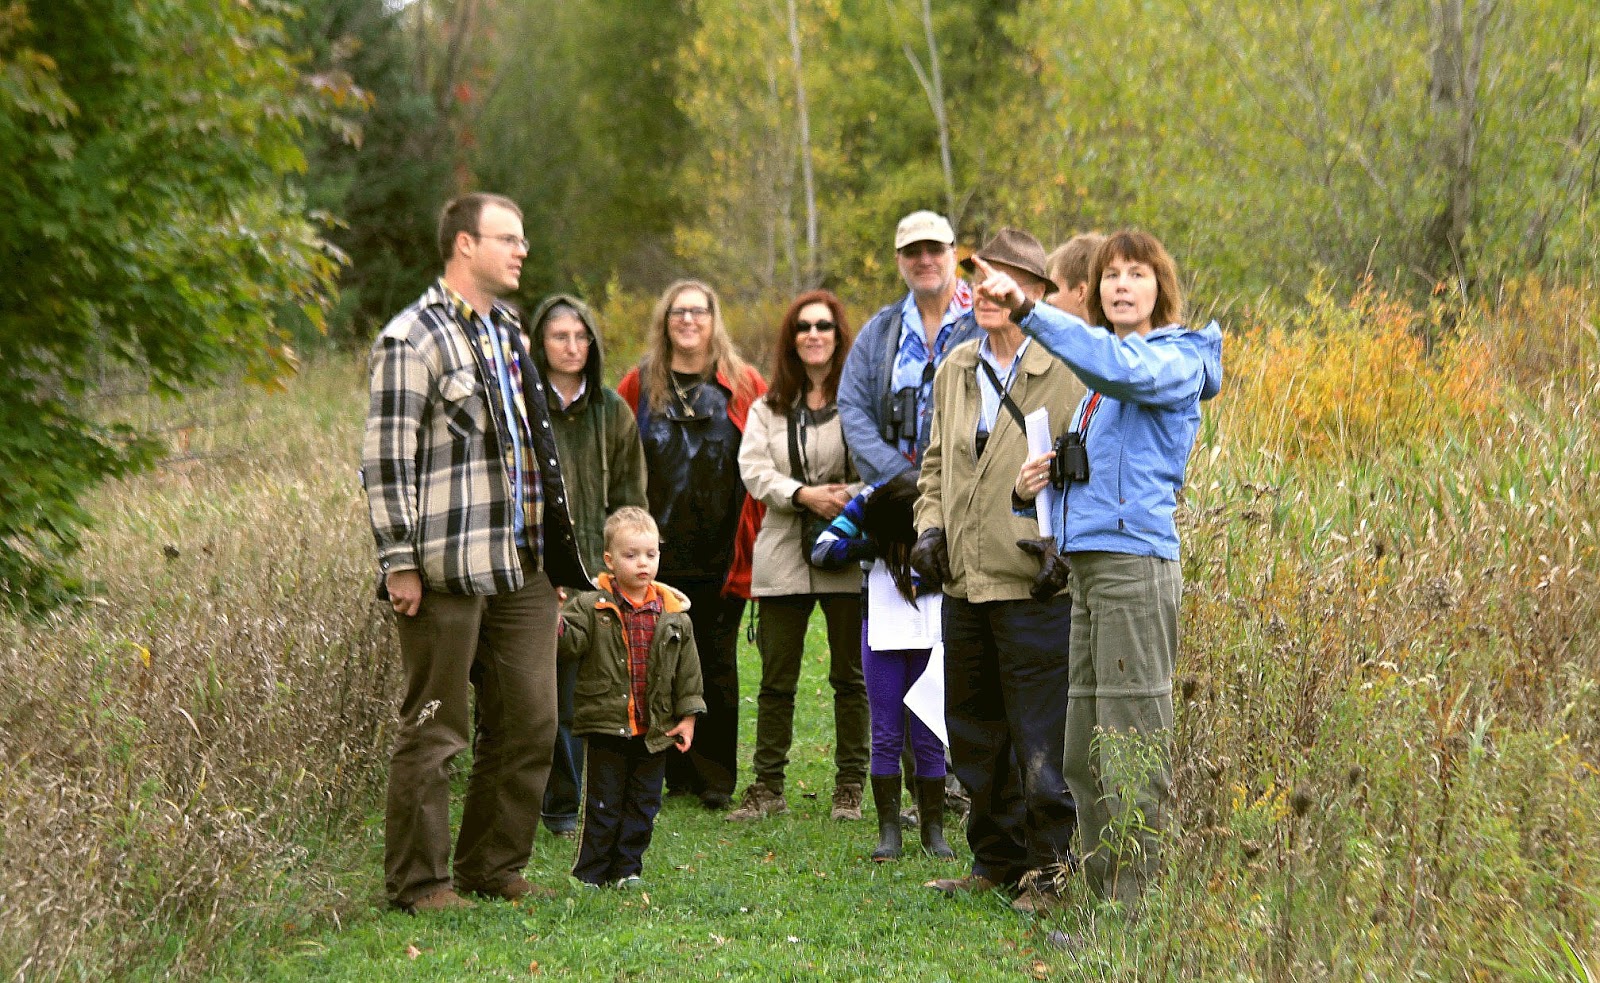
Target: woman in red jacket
691, 394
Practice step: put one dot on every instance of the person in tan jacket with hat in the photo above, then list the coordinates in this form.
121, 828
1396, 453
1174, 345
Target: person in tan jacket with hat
1006, 620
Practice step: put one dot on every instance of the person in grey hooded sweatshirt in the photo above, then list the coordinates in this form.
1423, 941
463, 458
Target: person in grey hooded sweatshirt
598, 441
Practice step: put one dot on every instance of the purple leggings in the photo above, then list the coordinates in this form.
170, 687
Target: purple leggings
888, 676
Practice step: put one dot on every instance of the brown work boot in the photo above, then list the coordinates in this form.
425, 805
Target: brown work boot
759, 802
516, 889
847, 801
1043, 890
971, 884
441, 898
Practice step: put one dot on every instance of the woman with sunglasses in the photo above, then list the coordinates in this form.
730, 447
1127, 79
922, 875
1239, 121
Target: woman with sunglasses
691, 394
794, 461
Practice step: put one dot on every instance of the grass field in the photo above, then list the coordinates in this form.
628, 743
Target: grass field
793, 896
1388, 744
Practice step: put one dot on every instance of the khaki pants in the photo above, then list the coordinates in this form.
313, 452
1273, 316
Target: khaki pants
513, 674
1119, 714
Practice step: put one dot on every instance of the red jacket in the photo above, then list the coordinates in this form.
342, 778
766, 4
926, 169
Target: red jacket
751, 512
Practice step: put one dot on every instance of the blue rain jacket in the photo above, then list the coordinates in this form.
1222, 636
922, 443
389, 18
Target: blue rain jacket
1140, 437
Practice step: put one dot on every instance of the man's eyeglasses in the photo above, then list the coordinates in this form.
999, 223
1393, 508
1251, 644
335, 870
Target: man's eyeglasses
821, 327
504, 238
687, 313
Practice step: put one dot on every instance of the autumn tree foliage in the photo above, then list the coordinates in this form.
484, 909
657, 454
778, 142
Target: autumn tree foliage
145, 151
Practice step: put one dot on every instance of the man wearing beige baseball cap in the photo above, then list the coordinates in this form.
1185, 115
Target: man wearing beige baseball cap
885, 390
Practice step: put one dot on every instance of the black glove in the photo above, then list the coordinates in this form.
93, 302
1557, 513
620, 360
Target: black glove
931, 558
1053, 568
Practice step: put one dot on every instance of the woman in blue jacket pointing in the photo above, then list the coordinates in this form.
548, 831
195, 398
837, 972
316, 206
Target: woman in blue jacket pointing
1146, 374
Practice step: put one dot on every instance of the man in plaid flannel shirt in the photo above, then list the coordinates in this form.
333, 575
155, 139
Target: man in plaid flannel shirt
474, 537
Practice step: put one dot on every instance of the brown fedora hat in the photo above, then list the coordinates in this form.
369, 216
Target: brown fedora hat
1016, 249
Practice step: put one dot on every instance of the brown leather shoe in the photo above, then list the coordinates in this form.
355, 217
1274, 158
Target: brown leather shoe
516, 889
971, 884
441, 898
1036, 902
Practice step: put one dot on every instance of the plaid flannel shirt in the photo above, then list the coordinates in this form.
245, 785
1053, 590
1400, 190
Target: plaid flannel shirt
434, 459
639, 631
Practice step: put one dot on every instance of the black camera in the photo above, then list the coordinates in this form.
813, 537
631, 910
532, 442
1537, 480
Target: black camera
902, 422
1071, 462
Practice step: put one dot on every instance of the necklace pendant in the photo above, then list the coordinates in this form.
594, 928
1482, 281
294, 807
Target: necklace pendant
688, 411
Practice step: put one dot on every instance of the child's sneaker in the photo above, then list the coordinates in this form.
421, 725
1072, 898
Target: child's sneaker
759, 802
633, 882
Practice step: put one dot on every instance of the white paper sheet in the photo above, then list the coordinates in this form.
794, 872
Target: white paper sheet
1048, 504
925, 698
892, 623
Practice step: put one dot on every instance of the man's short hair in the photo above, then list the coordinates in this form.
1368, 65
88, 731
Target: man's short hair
461, 215
630, 518
1069, 264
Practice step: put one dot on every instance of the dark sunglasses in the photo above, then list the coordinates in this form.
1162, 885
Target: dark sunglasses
825, 327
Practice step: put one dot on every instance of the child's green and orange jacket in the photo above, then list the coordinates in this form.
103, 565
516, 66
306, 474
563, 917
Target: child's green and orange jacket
592, 633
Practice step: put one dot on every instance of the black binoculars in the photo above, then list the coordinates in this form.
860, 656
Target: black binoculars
902, 421
1071, 462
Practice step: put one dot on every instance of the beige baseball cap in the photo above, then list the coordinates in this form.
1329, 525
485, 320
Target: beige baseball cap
923, 226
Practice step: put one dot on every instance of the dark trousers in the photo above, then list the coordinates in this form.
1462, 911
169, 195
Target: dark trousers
712, 764
783, 640
1006, 690
502, 647
621, 799
563, 793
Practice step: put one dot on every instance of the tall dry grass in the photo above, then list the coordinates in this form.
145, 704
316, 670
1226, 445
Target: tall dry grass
193, 751
1389, 726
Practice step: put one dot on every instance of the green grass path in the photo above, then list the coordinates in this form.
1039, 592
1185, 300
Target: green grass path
789, 898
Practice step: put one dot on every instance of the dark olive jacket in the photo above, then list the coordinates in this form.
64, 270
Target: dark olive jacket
597, 438
591, 632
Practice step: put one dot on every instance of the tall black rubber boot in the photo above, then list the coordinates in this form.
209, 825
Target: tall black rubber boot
930, 804
886, 799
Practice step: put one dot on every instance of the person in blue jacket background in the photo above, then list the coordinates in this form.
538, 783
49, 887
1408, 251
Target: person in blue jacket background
1146, 377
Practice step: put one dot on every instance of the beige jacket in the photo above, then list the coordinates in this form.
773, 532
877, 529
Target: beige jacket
970, 497
779, 569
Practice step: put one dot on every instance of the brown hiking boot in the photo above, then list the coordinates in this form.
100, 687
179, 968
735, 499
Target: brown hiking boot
516, 889
759, 802
971, 884
1043, 889
1037, 901
847, 801
441, 898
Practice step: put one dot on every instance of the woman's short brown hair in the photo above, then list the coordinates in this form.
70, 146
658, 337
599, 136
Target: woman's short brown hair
1137, 246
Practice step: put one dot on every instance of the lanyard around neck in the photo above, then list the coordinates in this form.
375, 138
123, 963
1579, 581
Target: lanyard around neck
1087, 416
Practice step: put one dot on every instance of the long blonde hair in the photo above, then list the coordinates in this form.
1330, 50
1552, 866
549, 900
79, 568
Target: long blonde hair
657, 368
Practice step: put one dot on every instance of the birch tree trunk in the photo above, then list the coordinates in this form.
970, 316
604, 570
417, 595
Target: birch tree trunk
932, 80
808, 177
